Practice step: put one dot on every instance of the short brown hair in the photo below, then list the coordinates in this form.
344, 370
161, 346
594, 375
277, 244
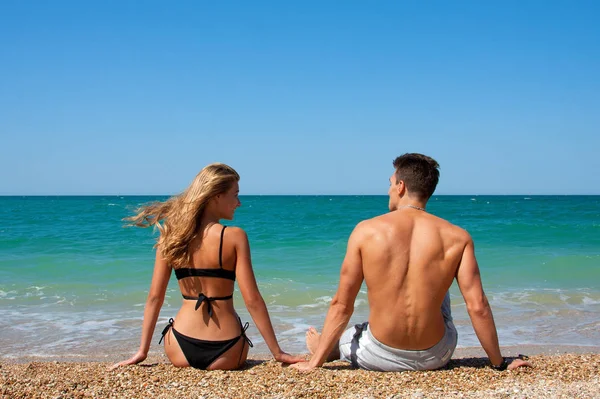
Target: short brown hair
419, 172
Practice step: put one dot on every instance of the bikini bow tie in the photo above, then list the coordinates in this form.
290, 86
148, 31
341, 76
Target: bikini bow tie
204, 298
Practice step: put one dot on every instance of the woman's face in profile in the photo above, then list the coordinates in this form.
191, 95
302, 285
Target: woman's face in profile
229, 201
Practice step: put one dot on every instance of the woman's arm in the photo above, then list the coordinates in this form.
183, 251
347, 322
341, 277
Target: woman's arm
156, 297
252, 297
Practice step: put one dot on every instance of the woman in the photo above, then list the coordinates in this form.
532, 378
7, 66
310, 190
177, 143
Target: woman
207, 258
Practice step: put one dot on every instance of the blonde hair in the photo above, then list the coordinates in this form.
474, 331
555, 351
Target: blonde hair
178, 217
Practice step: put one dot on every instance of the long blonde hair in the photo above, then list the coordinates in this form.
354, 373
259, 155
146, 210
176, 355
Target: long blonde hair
178, 217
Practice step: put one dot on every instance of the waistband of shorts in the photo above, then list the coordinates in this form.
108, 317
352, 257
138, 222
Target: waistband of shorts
438, 349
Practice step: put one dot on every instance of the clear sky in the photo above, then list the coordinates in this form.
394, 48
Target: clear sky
301, 97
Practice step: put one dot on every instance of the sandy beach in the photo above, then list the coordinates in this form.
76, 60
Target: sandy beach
559, 372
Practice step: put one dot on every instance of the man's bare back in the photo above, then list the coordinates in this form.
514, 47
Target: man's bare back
409, 260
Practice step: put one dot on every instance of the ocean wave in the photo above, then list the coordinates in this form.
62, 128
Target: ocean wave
319, 302
545, 297
590, 301
61, 332
297, 329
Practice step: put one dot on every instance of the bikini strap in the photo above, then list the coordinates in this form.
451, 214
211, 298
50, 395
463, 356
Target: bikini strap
221, 248
244, 328
245, 338
166, 330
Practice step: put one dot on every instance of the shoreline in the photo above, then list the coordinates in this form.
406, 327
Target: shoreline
158, 356
558, 371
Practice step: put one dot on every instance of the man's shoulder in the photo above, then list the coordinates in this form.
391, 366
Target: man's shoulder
368, 226
453, 230
373, 223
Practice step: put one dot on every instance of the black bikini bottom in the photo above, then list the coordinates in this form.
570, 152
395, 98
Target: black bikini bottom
200, 353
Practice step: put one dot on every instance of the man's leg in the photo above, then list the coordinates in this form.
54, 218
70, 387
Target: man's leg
312, 343
349, 344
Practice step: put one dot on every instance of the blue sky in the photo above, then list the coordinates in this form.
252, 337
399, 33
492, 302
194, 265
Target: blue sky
310, 97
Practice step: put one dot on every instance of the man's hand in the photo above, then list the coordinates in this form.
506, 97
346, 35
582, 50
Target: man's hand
518, 363
135, 359
284, 357
303, 366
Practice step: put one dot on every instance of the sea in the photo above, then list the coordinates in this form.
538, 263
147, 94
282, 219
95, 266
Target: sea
74, 280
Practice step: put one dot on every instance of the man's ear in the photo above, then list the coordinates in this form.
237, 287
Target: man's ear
401, 188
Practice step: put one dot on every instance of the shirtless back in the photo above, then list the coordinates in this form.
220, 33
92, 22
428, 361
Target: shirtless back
409, 258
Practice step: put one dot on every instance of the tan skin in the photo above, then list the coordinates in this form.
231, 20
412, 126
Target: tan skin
224, 324
408, 259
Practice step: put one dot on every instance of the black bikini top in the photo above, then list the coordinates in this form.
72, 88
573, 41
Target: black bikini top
219, 273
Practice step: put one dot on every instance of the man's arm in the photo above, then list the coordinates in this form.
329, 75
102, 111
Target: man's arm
342, 305
469, 282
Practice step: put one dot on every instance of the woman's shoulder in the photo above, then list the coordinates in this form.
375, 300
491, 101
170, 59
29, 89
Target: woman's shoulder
236, 233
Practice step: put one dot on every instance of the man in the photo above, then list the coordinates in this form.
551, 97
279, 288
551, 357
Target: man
408, 259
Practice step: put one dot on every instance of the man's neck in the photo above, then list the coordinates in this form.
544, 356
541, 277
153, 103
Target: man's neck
411, 203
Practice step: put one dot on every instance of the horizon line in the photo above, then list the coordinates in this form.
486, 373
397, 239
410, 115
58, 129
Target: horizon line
297, 195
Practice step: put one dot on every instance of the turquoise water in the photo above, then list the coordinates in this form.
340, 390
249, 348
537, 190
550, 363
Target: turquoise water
73, 281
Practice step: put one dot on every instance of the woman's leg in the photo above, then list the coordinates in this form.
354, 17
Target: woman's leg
173, 350
233, 359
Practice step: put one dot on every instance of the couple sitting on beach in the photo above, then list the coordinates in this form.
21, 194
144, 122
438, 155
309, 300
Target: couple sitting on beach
407, 257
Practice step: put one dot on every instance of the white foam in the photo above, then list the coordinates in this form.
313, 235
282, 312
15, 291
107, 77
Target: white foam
91, 324
321, 301
310, 305
297, 329
589, 301
544, 316
47, 356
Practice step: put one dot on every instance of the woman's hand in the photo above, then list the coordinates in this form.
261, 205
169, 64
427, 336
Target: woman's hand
284, 357
135, 359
